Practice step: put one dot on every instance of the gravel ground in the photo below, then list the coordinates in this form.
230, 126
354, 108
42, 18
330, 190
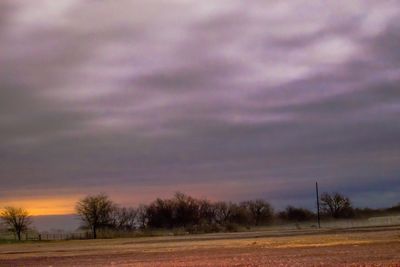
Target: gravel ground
323, 248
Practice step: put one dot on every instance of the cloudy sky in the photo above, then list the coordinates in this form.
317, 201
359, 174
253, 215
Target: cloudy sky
222, 99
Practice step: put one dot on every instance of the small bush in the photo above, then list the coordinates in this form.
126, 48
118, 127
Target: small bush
232, 227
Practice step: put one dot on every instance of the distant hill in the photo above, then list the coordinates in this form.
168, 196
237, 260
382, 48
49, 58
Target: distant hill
67, 223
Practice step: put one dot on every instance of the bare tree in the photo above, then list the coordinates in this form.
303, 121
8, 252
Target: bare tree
160, 213
95, 212
141, 216
123, 218
296, 214
206, 211
239, 215
336, 205
260, 210
17, 219
222, 212
186, 210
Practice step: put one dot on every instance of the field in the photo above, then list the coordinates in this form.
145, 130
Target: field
369, 246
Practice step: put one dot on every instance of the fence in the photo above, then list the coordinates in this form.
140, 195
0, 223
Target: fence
63, 236
33, 236
371, 222
333, 224
87, 235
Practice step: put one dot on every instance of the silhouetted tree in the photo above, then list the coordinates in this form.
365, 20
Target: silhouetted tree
17, 219
95, 212
194, 215
222, 212
141, 216
186, 210
260, 210
206, 212
296, 214
123, 218
336, 205
240, 214
395, 208
160, 214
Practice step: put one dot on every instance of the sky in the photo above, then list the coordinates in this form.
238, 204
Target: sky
227, 100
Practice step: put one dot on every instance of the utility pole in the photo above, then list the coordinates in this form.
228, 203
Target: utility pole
316, 190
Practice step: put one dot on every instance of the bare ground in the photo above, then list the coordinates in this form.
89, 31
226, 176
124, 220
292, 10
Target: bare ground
358, 247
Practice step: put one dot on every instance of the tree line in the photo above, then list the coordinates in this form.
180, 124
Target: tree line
181, 211
99, 213
201, 215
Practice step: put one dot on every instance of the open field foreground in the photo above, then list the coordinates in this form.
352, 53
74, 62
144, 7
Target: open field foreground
356, 247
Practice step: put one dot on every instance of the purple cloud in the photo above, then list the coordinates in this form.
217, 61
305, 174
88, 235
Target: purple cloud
261, 98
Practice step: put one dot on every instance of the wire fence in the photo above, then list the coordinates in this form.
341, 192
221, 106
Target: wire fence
370, 222
35, 236
384, 221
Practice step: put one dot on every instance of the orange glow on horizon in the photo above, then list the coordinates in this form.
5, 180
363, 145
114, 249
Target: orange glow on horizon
45, 206
64, 202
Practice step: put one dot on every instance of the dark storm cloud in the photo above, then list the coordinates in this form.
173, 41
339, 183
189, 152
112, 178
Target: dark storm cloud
261, 99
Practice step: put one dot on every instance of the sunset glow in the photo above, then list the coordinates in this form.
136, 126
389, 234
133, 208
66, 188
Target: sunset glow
45, 206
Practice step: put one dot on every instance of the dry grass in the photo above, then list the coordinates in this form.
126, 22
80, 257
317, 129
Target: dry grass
373, 247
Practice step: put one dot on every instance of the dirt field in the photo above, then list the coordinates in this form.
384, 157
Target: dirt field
356, 247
